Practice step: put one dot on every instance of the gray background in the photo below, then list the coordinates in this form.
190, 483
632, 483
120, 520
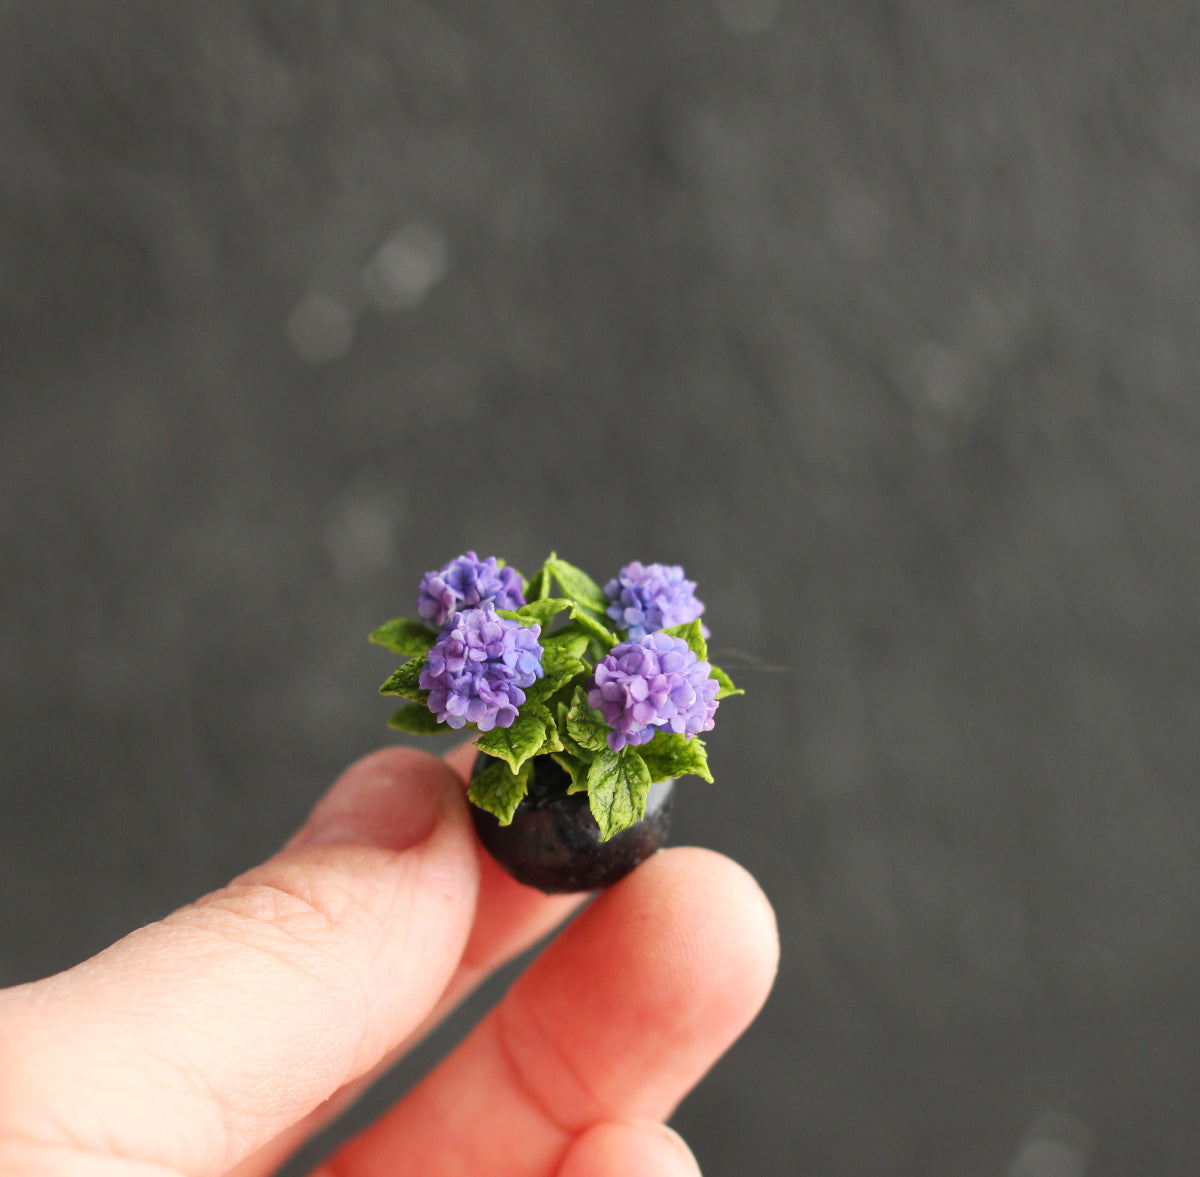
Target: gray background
878, 316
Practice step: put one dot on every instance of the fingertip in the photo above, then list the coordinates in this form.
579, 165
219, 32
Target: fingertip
392, 797
620, 1147
462, 760
731, 918
713, 931
646, 989
397, 760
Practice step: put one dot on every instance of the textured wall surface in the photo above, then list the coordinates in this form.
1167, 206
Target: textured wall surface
878, 316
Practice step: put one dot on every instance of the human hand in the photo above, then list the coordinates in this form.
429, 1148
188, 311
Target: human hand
219, 1039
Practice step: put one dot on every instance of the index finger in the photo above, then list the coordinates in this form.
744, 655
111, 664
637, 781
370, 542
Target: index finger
509, 918
196, 1040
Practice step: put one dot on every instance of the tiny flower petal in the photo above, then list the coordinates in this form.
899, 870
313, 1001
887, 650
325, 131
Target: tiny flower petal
467, 583
653, 683
478, 668
648, 597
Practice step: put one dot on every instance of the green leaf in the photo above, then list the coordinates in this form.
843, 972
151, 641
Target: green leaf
571, 639
404, 682
417, 720
586, 726
520, 618
499, 790
529, 734
670, 755
693, 635
575, 768
553, 740
559, 667
558, 661
543, 611
403, 635
593, 627
538, 587
576, 583
618, 783
569, 746
726, 684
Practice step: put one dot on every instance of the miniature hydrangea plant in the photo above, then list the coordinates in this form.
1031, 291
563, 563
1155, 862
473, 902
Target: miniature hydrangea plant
614, 686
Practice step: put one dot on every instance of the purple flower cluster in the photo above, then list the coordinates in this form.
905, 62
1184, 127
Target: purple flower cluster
648, 597
653, 683
467, 582
478, 667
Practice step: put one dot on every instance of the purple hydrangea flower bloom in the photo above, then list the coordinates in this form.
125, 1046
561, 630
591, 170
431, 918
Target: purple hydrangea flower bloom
467, 582
653, 683
477, 668
647, 597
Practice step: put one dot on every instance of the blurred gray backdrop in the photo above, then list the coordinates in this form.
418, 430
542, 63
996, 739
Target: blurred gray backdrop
878, 315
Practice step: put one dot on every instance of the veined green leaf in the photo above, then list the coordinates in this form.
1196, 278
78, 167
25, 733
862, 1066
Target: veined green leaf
576, 583
526, 737
553, 739
519, 618
538, 586
404, 682
403, 635
545, 610
570, 639
499, 790
575, 768
586, 726
417, 720
618, 783
559, 668
590, 624
569, 746
669, 755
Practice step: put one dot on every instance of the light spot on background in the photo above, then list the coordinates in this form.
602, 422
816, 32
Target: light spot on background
1176, 126
858, 223
746, 17
943, 378
406, 267
360, 537
1055, 1146
321, 327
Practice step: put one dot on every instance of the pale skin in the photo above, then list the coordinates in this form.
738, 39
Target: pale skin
216, 1041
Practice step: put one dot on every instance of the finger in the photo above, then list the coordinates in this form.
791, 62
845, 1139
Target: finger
616, 1020
195, 1040
621, 1148
509, 918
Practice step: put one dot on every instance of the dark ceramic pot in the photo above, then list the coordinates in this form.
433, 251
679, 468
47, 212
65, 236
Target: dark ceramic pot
553, 842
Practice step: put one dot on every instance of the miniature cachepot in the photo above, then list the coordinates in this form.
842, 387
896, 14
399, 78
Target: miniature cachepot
588, 704
553, 842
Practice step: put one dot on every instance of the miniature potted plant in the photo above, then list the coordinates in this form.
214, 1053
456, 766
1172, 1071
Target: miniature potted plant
588, 704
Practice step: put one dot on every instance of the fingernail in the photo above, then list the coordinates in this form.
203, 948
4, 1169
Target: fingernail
685, 1160
681, 1146
385, 800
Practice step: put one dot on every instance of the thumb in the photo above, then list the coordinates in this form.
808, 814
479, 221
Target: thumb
194, 1041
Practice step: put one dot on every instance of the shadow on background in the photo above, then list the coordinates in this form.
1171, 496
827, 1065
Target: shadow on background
878, 317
